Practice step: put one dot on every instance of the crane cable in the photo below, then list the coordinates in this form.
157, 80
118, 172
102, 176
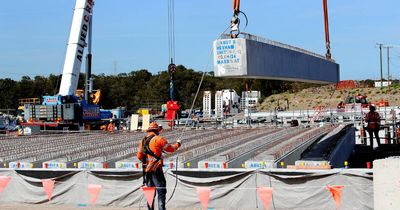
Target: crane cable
171, 39
234, 25
190, 111
171, 31
172, 69
326, 24
171, 47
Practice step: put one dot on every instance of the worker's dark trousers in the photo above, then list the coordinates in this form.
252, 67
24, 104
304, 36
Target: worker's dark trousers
157, 179
375, 132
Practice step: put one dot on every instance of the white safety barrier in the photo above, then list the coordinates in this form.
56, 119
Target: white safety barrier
127, 165
311, 163
171, 165
16, 165
90, 165
259, 164
54, 165
212, 164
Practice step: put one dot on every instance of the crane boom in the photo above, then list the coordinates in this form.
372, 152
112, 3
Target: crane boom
76, 45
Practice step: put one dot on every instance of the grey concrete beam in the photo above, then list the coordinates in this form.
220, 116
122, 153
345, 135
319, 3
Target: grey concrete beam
265, 59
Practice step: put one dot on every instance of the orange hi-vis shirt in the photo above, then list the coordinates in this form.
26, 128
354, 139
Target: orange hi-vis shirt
110, 127
157, 145
373, 119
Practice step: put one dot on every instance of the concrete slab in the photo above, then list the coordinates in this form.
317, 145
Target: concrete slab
386, 183
255, 57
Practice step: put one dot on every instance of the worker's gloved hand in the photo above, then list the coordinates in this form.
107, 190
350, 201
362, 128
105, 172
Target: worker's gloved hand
179, 142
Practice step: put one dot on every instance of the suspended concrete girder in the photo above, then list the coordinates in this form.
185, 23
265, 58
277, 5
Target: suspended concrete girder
258, 58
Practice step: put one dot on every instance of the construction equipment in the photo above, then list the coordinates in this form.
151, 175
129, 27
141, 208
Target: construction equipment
144, 111
94, 96
66, 110
351, 102
359, 99
382, 103
23, 101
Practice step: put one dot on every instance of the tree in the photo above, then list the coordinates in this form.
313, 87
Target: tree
8, 96
141, 88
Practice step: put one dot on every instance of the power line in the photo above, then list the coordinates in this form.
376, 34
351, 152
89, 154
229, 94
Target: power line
397, 52
22, 74
13, 73
394, 64
388, 47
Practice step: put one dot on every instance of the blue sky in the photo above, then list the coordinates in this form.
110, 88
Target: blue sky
130, 34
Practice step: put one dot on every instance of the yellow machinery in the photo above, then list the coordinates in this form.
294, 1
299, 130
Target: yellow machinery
144, 111
23, 101
94, 96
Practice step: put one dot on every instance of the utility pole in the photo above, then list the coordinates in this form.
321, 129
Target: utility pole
388, 64
380, 59
388, 57
115, 63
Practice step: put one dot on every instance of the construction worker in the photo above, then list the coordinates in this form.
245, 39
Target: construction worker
150, 150
341, 105
373, 121
111, 126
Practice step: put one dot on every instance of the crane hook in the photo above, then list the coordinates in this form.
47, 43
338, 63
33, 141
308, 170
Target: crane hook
235, 21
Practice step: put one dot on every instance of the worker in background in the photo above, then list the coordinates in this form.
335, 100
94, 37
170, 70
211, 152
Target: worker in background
111, 126
20, 131
373, 121
150, 150
341, 105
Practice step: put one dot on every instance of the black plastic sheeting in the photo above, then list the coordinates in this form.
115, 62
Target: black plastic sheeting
324, 148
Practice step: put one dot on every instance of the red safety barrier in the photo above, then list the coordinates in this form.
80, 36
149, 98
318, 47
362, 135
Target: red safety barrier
346, 84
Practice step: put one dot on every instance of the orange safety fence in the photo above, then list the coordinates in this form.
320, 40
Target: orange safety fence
346, 84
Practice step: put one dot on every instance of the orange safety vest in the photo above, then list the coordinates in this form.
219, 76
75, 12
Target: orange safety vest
373, 119
157, 145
